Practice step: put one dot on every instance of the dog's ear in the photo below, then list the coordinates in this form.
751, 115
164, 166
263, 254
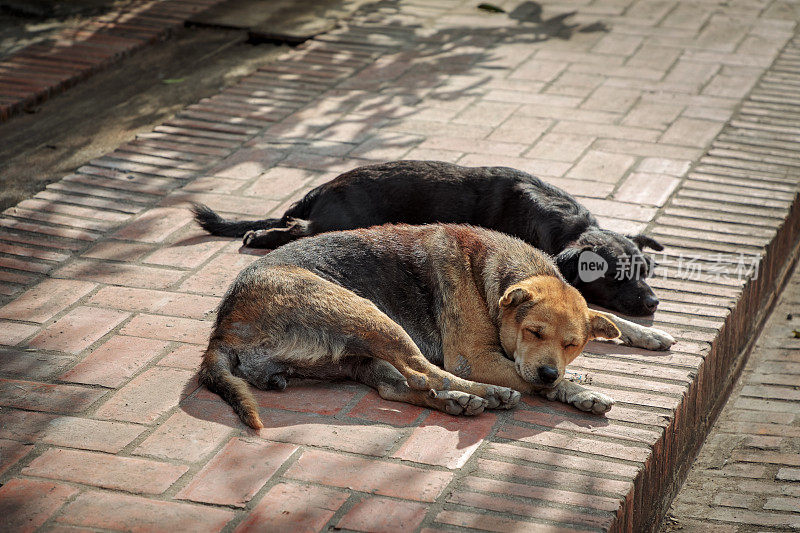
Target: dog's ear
601, 327
643, 241
515, 295
567, 262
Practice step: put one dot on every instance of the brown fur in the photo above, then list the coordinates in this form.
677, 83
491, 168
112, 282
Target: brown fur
299, 311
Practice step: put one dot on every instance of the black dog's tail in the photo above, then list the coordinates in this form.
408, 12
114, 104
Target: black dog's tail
216, 225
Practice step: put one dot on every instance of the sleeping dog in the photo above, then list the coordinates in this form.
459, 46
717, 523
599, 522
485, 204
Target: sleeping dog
499, 198
449, 317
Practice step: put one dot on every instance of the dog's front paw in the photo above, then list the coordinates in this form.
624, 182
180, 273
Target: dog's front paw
249, 237
584, 399
502, 397
455, 402
593, 402
649, 339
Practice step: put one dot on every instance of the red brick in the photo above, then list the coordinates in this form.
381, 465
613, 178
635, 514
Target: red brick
383, 515
72, 210
237, 472
311, 430
47, 397
446, 440
106, 471
186, 356
185, 438
561, 460
31, 364
149, 395
123, 512
242, 205
168, 328
530, 509
647, 189
534, 492
373, 407
495, 523
78, 329
115, 362
279, 182
367, 475
216, 275
36, 253
68, 431
570, 442
118, 250
320, 398
26, 504
124, 274
25, 264
620, 210
185, 253
561, 479
160, 302
11, 452
586, 425
13, 333
293, 507
55, 231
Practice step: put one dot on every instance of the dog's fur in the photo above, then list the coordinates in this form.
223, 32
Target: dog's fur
391, 306
499, 198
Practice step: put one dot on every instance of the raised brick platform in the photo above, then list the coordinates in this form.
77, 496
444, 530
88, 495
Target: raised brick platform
41, 70
111, 288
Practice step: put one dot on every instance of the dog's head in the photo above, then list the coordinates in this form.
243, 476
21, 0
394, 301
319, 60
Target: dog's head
545, 324
621, 285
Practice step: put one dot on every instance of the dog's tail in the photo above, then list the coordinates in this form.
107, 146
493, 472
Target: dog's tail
215, 373
216, 225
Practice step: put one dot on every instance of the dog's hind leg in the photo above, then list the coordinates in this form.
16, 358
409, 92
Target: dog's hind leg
275, 237
391, 385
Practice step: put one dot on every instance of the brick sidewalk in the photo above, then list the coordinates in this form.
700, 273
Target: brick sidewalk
111, 288
43, 69
746, 476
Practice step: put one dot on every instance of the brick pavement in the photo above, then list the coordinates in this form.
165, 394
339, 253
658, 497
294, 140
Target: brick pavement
110, 288
746, 475
41, 70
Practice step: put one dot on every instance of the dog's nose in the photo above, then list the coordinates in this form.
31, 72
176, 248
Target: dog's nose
650, 303
547, 374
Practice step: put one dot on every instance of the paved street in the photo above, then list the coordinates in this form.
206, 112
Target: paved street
678, 119
746, 476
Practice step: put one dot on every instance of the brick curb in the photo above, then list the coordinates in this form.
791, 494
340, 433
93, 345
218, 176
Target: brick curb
735, 158
121, 326
42, 70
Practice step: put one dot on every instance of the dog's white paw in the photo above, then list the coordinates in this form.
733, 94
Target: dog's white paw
648, 338
586, 400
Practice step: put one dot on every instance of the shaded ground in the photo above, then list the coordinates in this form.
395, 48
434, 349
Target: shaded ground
96, 116
24, 22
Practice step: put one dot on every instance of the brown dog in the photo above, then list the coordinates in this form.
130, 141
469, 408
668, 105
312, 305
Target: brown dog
390, 306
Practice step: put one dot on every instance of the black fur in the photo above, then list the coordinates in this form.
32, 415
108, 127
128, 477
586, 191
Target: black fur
499, 198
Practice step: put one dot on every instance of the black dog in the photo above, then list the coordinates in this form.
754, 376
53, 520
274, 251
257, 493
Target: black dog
499, 198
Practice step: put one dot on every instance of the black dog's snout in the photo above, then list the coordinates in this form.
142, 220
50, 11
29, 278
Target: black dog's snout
547, 374
650, 303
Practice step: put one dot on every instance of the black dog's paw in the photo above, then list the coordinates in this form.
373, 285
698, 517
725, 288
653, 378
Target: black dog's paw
249, 237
